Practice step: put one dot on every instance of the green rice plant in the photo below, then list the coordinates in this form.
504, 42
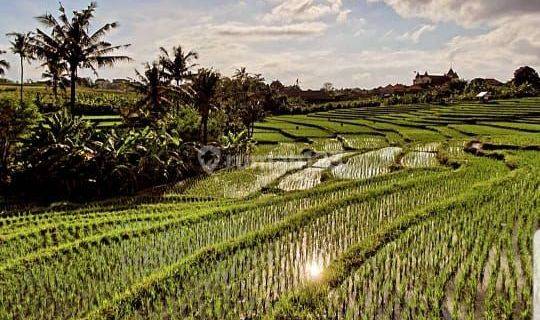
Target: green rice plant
368, 165
91, 266
419, 159
365, 142
425, 269
288, 150
302, 180
241, 183
327, 145
273, 260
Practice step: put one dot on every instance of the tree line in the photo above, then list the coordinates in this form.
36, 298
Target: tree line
181, 107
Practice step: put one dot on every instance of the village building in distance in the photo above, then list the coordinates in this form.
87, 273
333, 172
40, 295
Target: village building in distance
427, 80
421, 83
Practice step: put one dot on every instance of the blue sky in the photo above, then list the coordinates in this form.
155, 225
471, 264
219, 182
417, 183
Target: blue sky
360, 43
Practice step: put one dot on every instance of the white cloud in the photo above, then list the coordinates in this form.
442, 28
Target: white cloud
298, 29
288, 11
511, 43
416, 34
343, 16
462, 12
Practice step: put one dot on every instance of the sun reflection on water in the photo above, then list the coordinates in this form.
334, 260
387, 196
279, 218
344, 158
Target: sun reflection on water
314, 270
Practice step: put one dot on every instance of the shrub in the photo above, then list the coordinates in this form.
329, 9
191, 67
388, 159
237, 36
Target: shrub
16, 121
68, 157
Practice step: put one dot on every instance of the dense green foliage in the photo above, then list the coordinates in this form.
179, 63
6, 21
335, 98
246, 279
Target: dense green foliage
16, 121
66, 156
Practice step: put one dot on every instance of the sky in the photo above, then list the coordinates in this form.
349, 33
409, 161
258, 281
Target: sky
350, 43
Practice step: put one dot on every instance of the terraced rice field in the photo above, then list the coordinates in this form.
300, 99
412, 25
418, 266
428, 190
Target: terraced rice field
373, 213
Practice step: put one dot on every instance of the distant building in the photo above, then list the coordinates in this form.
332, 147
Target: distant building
389, 90
484, 96
308, 96
431, 80
397, 90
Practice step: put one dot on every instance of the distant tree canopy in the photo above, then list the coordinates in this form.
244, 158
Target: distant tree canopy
525, 75
328, 86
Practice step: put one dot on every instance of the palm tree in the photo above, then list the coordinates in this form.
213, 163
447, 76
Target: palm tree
250, 94
21, 45
78, 47
177, 68
55, 78
4, 65
204, 87
153, 88
241, 73
47, 49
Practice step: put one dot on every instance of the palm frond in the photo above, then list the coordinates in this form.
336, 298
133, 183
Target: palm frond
105, 50
108, 61
4, 65
164, 51
102, 31
47, 20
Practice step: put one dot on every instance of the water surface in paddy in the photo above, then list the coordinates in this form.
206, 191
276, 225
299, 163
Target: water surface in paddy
368, 165
419, 159
302, 180
312, 176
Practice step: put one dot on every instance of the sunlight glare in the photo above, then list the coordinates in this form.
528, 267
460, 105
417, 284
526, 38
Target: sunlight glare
314, 270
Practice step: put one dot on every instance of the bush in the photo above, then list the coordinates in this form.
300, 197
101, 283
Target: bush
16, 121
68, 157
185, 121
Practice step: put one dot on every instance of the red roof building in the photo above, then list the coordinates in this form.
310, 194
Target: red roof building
430, 80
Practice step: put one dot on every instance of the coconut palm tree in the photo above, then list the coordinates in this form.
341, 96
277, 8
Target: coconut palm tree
55, 78
47, 48
204, 87
4, 65
21, 46
78, 47
153, 88
241, 73
250, 94
177, 65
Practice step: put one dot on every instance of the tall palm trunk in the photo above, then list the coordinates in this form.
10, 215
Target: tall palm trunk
205, 129
178, 98
251, 129
55, 90
204, 124
22, 79
72, 85
155, 100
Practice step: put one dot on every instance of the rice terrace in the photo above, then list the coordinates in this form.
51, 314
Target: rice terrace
181, 192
